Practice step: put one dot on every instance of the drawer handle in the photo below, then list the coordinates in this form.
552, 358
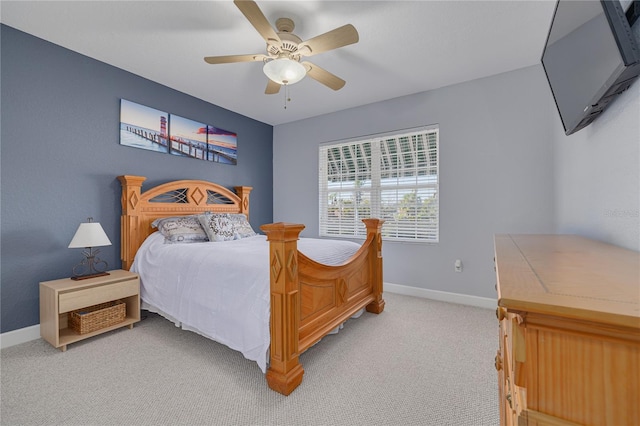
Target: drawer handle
498, 362
508, 398
501, 313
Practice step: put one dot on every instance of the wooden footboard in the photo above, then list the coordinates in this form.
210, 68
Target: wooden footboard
309, 299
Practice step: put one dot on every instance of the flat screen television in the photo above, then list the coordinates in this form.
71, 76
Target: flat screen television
591, 56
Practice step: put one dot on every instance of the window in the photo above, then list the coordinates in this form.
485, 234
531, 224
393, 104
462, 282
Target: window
392, 177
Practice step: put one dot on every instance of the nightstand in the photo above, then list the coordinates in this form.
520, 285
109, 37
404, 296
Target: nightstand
59, 297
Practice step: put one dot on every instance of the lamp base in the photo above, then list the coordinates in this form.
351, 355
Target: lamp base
84, 277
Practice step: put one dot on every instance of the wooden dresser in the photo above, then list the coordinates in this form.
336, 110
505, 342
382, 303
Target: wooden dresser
569, 314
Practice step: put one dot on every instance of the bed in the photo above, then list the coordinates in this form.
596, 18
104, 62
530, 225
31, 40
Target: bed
306, 299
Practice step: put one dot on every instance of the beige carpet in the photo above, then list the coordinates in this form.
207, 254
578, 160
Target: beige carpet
420, 362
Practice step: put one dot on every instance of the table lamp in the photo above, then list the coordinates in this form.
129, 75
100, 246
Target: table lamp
89, 234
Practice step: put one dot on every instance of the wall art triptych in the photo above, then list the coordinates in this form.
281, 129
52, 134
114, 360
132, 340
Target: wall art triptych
148, 128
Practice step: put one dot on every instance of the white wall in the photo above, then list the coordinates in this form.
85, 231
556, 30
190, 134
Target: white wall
598, 175
496, 173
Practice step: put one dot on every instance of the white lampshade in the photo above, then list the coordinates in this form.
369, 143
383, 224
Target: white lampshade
89, 234
284, 71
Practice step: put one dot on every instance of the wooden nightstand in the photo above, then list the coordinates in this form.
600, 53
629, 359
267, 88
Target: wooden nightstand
59, 297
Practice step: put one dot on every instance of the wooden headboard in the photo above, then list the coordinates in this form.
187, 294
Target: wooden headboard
177, 198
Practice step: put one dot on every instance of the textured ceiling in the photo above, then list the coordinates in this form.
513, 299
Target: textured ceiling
405, 47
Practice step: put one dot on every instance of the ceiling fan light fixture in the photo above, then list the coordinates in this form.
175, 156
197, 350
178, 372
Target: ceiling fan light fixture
284, 71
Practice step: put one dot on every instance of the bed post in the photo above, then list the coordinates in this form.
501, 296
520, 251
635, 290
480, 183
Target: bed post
285, 371
129, 221
243, 193
374, 226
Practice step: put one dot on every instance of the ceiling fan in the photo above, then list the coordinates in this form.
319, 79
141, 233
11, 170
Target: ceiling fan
282, 61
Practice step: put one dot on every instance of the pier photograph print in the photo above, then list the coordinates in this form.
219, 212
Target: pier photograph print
154, 130
143, 127
204, 142
222, 146
188, 137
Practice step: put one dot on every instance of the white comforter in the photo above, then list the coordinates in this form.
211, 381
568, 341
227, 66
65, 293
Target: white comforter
221, 289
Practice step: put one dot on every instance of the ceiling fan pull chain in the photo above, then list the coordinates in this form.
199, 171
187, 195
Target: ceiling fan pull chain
286, 95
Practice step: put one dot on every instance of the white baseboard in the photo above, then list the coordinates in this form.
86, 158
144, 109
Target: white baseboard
443, 296
15, 337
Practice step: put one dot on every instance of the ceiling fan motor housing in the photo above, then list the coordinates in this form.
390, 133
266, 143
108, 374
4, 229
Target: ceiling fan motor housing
289, 41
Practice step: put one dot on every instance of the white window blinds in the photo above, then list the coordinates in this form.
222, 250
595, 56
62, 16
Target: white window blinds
392, 177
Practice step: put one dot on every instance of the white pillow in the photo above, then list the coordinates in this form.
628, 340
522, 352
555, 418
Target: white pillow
241, 226
226, 226
181, 229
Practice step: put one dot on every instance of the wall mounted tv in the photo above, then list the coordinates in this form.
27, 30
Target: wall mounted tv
592, 54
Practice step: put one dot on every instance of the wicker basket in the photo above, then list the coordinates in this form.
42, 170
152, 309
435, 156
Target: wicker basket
96, 317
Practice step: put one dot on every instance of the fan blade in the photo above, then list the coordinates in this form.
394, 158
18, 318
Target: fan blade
334, 39
255, 16
272, 87
323, 76
234, 58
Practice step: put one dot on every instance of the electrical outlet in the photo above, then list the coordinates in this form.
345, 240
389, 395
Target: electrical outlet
458, 265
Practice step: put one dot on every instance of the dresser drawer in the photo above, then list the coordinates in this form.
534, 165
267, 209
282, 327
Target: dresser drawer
100, 294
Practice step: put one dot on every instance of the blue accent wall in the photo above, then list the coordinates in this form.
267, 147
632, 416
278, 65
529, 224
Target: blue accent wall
60, 155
